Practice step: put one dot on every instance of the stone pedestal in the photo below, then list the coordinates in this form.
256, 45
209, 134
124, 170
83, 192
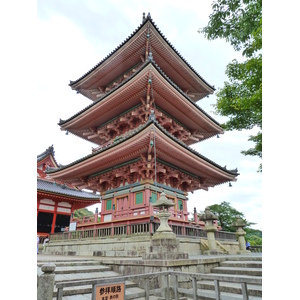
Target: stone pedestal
164, 231
240, 234
208, 217
210, 231
164, 244
165, 249
46, 282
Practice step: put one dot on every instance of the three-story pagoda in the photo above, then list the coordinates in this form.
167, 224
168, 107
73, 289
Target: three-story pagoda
143, 117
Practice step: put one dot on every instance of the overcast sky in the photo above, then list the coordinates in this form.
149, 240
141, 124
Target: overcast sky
73, 36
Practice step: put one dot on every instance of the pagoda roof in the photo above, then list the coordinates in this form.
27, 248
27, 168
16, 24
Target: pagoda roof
48, 154
127, 95
129, 148
134, 50
63, 189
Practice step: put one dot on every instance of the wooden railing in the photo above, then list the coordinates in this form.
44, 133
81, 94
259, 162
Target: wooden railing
257, 249
165, 290
147, 228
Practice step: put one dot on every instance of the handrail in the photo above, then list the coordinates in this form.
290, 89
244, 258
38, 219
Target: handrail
243, 280
146, 228
256, 249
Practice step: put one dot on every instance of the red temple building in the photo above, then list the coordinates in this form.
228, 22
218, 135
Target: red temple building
56, 200
143, 117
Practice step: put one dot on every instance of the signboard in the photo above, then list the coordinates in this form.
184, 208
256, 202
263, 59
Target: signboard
72, 226
109, 291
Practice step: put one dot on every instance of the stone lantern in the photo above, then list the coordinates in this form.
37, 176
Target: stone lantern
208, 217
164, 244
164, 230
239, 224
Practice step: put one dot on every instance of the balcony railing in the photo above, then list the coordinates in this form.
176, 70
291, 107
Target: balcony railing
147, 228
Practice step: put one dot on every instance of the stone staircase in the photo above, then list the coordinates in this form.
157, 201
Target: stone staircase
239, 266
72, 270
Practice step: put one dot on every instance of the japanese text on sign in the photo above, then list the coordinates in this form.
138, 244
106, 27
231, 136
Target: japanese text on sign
110, 292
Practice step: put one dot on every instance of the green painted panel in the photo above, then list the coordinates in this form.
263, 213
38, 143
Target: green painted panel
108, 204
154, 197
139, 198
180, 204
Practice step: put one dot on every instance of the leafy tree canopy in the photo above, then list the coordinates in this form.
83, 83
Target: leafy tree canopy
240, 23
83, 212
227, 215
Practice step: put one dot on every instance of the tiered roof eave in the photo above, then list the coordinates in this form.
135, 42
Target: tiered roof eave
170, 151
131, 52
93, 116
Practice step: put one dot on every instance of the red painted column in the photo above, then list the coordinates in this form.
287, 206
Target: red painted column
185, 216
130, 203
148, 206
54, 218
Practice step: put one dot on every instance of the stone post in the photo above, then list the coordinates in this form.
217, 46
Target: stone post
195, 216
96, 215
46, 282
208, 217
240, 234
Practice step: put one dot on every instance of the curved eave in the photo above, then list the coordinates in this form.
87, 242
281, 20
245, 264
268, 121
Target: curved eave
47, 154
181, 106
61, 191
67, 198
168, 148
118, 61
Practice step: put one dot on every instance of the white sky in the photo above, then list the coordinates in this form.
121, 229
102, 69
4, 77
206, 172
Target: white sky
73, 38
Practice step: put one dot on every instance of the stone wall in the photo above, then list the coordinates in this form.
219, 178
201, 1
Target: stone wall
132, 246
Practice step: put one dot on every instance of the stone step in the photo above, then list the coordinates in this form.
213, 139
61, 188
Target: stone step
229, 287
246, 257
85, 276
241, 264
63, 263
81, 269
237, 271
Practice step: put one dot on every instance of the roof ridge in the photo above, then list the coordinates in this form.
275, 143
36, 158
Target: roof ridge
145, 20
142, 66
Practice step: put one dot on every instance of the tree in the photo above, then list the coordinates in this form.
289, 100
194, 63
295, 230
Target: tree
240, 23
83, 212
227, 216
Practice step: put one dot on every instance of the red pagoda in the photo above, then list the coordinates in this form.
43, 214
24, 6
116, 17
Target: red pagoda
56, 200
143, 117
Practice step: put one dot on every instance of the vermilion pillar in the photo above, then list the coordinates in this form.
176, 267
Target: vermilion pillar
54, 218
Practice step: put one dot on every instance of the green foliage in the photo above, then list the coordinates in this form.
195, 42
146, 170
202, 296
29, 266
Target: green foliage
240, 23
227, 216
83, 212
236, 21
254, 236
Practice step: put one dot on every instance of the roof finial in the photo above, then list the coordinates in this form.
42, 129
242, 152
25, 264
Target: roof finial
150, 57
149, 16
144, 18
152, 115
